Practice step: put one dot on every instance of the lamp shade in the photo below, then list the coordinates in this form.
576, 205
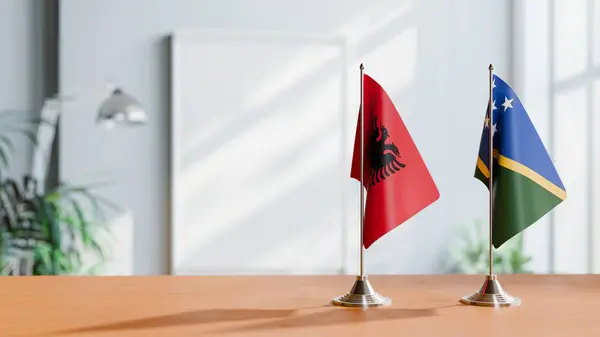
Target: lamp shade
121, 108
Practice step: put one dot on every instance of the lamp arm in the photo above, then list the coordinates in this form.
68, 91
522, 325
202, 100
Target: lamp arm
46, 133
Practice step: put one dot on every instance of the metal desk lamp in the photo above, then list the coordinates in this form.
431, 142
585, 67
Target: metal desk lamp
120, 108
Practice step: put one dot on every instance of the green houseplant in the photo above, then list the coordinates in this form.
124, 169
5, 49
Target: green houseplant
471, 254
45, 231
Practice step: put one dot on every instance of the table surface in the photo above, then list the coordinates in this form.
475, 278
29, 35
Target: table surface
292, 306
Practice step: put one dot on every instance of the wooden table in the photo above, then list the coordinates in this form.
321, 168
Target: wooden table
292, 306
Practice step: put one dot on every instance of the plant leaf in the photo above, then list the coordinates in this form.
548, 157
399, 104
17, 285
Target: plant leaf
48, 217
473, 255
27, 133
59, 221
4, 139
43, 254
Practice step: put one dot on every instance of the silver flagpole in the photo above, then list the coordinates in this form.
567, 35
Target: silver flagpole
491, 165
491, 293
362, 294
362, 167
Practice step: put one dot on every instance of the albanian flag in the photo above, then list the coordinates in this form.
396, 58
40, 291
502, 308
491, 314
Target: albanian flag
397, 181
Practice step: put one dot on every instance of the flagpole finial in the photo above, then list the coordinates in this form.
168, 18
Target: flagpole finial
362, 66
491, 67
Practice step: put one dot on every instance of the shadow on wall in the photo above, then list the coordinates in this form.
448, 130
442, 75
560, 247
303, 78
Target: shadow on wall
265, 235
287, 214
281, 155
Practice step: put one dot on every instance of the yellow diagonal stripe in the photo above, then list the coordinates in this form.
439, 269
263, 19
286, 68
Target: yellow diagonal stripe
524, 171
531, 174
483, 168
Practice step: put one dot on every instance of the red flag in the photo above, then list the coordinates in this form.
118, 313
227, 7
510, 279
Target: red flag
397, 181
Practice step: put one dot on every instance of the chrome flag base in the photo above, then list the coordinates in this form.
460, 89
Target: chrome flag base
362, 296
491, 294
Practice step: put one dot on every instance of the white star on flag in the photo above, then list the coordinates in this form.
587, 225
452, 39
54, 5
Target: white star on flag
507, 103
494, 129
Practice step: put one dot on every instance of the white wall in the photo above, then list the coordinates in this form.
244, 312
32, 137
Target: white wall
23, 66
431, 56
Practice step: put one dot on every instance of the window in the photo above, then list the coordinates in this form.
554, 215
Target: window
556, 57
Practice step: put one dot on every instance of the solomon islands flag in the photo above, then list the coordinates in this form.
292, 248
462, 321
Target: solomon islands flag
526, 184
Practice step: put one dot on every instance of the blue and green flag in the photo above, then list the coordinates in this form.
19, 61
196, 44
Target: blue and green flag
526, 184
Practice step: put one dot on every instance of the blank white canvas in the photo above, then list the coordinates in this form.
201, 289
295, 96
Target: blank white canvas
257, 153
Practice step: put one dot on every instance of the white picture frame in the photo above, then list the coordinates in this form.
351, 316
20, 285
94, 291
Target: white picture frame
291, 250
